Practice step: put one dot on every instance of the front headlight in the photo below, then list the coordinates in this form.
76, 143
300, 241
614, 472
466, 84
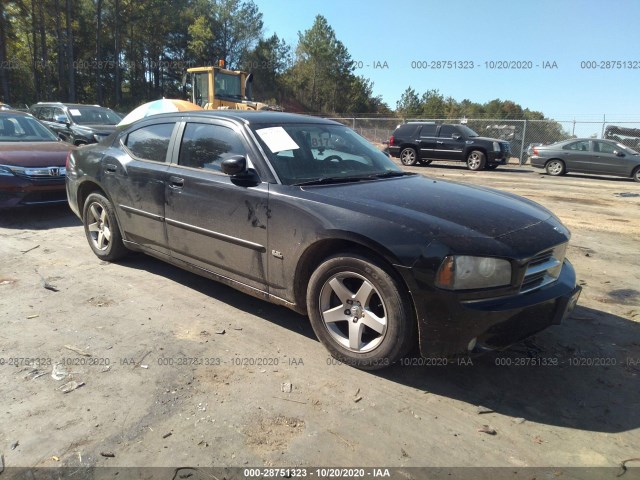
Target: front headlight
463, 272
496, 146
6, 171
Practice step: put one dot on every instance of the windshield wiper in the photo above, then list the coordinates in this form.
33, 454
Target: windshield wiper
391, 173
327, 180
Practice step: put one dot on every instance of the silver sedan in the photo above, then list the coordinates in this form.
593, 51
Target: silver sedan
588, 155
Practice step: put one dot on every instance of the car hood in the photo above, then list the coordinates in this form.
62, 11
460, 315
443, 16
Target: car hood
104, 129
436, 208
34, 154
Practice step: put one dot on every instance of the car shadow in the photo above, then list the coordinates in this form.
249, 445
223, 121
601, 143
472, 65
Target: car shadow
276, 314
41, 217
581, 375
599, 177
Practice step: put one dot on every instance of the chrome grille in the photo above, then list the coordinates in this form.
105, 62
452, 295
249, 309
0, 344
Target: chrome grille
40, 173
544, 268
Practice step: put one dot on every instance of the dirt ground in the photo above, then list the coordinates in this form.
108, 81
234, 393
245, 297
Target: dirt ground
176, 370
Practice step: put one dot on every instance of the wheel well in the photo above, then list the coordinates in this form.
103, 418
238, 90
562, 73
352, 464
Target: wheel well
324, 249
556, 159
479, 149
85, 190
408, 145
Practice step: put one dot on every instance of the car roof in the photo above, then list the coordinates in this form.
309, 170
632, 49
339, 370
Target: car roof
14, 113
250, 117
62, 104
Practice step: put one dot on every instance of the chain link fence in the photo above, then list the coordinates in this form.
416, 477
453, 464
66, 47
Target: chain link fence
522, 135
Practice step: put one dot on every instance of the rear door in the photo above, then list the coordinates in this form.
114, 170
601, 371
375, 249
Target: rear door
134, 173
212, 222
578, 156
427, 141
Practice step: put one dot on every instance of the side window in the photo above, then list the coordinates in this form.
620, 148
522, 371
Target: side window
151, 142
582, 146
604, 147
206, 146
58, 112
446, 131
45, 113
428, 130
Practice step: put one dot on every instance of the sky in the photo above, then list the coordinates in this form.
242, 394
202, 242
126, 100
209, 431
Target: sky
408, 35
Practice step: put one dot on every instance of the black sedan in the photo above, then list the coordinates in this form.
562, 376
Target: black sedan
588, 155
303, 212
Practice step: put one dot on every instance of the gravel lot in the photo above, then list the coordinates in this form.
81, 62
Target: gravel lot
179, 370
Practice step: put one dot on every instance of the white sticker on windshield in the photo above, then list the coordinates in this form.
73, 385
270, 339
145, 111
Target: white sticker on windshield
75, 112
277, 139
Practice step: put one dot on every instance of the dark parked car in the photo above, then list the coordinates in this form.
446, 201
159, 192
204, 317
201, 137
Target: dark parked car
305, 213
75, 123
415, 142
588, 155
32, 162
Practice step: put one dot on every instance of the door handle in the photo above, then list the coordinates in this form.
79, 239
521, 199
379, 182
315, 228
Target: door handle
176, 182
439, 141
110, 168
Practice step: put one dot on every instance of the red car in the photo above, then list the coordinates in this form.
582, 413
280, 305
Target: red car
32, 162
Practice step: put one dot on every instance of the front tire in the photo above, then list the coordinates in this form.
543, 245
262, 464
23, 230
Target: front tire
409, 156
476, 160
555, 168
101, 228
359, 312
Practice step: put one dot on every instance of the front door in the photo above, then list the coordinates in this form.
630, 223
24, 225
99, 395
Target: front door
212, 222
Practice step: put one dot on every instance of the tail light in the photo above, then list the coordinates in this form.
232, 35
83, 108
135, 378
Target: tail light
535, 150
391, 140
68, 159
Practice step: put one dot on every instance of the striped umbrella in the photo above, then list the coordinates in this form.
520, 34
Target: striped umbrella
165, 105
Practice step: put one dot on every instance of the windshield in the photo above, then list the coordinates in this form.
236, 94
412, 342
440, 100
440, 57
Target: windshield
94, 116
308, 153
624, 148
21, 128
467, 131
227, 85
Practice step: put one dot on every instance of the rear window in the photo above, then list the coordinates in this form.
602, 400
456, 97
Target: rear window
428, 130
151, 142
406, 130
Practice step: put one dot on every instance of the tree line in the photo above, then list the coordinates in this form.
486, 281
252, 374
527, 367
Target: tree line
121, 53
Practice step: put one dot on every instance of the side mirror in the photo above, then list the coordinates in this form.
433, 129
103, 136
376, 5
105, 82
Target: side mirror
456, 136
60, 119
618, 153
235, 165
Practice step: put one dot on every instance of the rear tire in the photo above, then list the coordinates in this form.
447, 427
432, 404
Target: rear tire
409, 156
476, 160
555, 168
101, 228
359, 312
636, 174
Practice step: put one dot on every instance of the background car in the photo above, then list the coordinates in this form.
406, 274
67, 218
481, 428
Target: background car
5, 106
304, 212
422, 142
32, 162
76, 123
588, 155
